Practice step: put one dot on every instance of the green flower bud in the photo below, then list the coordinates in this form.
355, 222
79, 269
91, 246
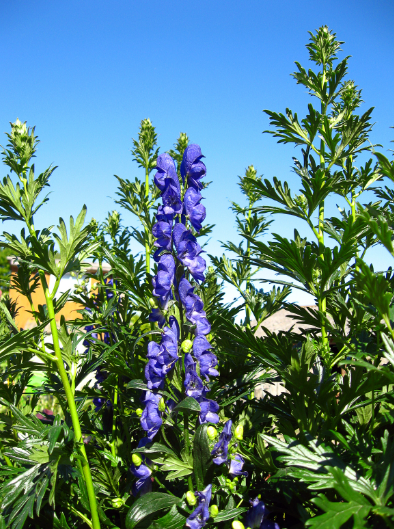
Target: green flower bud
191, 498
237, 525
162, 404
251, 396
214, 510
211, 432
136, 459
209, 337
117, 503
239, 432
186, 346
139, 412
153, 303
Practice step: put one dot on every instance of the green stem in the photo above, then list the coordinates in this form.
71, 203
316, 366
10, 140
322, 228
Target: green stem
247, 308
187, 448
71, 404
115, 409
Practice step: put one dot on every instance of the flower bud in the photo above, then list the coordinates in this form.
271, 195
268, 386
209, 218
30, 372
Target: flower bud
136, 459
237, 525
251, 396
211, 432
117, 503
139, 412
186, 346
162, 404
214, 510
191, 498
209, 337
239, 432
153, 303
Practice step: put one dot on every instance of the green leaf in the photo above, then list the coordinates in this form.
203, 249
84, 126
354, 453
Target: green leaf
338, 513
172, 520
2, 522
137, 384
202, 459
229, 514
188, 405
60, 524
148, 504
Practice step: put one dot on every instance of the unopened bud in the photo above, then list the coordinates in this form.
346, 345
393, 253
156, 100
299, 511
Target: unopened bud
136, 459
139, 412
209, 337
117, 503
251, 396
153, 303
237, 525
162, 404
214, 510
191, 498
186, 346
211, 432
239, 432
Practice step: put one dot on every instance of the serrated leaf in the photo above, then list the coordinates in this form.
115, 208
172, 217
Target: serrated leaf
148, 504
189, 404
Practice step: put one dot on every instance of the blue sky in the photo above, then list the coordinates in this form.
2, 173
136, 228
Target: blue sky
86, 73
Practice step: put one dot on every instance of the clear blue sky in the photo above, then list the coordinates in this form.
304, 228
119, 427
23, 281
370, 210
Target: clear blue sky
86, 73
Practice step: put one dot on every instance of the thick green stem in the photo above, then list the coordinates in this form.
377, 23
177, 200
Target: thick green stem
247, 308
187, 447
71, 404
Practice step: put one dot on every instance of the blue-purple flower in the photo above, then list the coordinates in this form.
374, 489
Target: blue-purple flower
194, 307
154, 374
194, 210
220, 450
192, 168
254, 517
151, 420
235, 465
157, 315
200, 515
164, 279
206, 359
193, 383
162, 231
267, 524
167, 181
144, 482
209, 409
188, 251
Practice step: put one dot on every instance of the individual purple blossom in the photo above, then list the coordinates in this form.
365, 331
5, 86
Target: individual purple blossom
206, 359
163, 356
157, 315
166, 175
220, 450
99, 403
193, 383
192, 168
164, 279
151, 420
162, 232
209, 409
154, 374
109, 291
267, 524
194, 307
101, 375
200, 515
188, 251
144, 483
235, 465
194, 210
254, 517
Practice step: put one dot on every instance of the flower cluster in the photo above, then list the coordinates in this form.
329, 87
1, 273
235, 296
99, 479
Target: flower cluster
220, 453
200, 515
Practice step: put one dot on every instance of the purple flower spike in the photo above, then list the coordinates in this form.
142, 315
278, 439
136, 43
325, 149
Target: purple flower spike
206, 359
192, 167
151, 420
166, 173
256, 513
220, 450
200, 515
193, 383
194, 210
188, 251
235, 466
144, 482
164, 279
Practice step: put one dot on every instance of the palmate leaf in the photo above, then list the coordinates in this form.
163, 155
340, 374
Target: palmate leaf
148, 504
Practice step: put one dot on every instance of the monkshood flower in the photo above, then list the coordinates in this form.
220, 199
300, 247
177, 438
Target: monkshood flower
193, 383
194, 307
164, 279
162, 231
144, 482
267, 524
209, 409
99, 403
188, 251
235, 466
206, 359
192, 168
154, 374
101, 375
162, 357
151, 420
254, 517
194, 210
157, 315
220, 450
166, 179
200, 515
109, 291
